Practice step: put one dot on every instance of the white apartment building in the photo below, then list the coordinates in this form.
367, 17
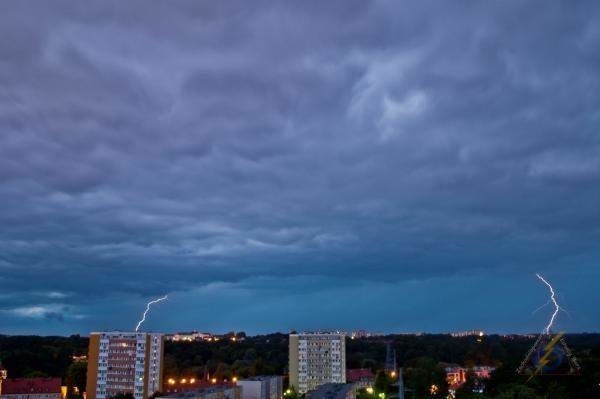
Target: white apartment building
124, 362
316, 359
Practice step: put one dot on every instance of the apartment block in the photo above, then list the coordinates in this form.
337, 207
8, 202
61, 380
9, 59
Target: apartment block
124, 362
316, 359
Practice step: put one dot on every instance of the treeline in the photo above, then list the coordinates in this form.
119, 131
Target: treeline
34, 356
224, 359
420, 356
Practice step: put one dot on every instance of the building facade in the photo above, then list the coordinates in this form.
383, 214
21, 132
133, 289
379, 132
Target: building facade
316, 359
333, 391
217, 392
31, 388
124, 362
262, 387
457, 375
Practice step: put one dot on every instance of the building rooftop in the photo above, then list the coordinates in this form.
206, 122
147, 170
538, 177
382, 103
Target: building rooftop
330, 391
17, 386
201, 391
259, 378
359, 374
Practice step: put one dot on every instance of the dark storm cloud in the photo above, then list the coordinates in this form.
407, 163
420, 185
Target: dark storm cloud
278, 150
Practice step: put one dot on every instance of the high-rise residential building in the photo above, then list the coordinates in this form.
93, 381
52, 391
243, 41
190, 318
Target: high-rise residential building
124, 362
262, 387
316, 359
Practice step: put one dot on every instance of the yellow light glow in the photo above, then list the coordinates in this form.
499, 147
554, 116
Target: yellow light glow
171, 381
382, 395
234, 379
433, 390
192, 380
214, 380
370, 390
393, 374
183, 381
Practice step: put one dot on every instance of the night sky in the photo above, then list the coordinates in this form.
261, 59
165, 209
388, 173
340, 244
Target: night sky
385, 165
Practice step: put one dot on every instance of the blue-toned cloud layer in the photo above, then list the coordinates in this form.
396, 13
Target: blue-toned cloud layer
388, 165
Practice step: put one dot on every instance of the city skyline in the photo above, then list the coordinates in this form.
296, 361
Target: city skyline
380, 165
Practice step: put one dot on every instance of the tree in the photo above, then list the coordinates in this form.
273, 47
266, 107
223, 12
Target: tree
517, 391
383, 382
291, 393
76, 378
557, 391
426, 379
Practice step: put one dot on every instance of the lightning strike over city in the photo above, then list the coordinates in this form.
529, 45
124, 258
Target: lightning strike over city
553, 299
377, 180
148, 305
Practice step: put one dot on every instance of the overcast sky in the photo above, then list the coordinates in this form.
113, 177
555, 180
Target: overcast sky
386, 165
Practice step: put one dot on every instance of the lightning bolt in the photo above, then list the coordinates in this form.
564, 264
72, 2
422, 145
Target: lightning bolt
553, 299
139, 324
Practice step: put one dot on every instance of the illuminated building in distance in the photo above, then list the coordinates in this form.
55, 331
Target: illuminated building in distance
124, 362
316, 359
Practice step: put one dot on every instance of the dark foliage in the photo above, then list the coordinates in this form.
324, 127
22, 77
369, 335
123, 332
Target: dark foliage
268, 354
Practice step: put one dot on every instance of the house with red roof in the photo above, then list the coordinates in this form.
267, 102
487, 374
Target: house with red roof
31, 388
361, 378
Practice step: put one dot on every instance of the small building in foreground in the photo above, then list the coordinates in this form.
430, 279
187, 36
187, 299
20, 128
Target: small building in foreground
262, 387
361, 378
333, 391
31, 388
216, 392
